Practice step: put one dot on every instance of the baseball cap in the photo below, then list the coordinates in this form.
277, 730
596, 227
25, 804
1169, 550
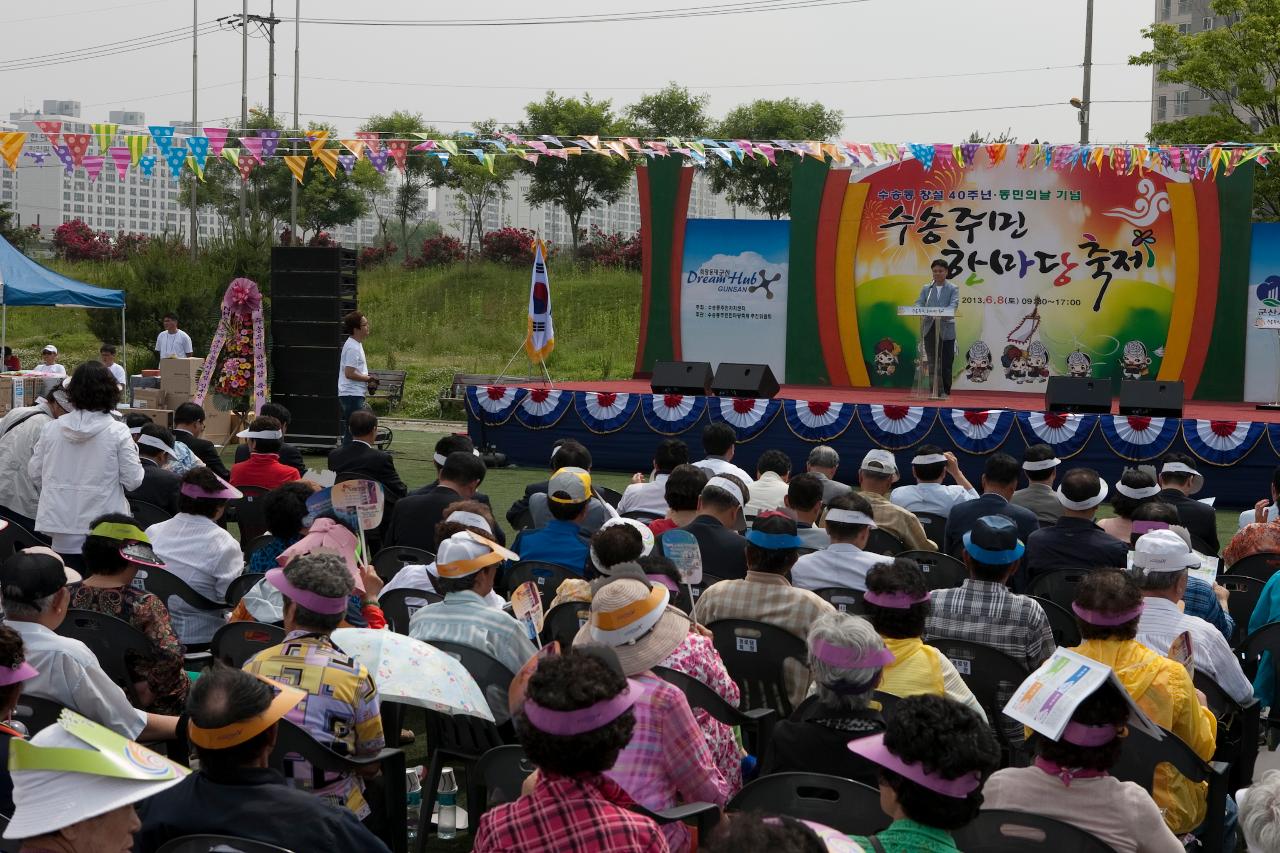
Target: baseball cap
50, 348
33, 574
569, 486
1163, 551
880, 461
994, 540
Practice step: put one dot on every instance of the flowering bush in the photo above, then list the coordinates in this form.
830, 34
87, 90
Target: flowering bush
235, 374
76, 241
611, 250
508, 246
437, 252
372, 256
322, 238
130, 244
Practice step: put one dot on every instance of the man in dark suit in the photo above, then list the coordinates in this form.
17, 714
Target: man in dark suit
188, 424
565, 453
724, 552
452, 443
413, 522
939, 293
159, 484
362, 458
1073, 541
289, 455
999, 481
1179, 480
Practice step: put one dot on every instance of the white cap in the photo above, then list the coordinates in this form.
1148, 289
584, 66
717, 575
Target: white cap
1163, 551
881, 462
50, 348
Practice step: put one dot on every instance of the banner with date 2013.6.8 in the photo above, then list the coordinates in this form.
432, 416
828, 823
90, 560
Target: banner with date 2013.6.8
733, 292
1065, 272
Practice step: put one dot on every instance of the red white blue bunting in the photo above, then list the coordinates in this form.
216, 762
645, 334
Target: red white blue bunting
896, 427
815, 420
605, 411
542, 408
1138, 439
493, 404
1221, 442
1066, 433
748, 416
977, 431
671, 414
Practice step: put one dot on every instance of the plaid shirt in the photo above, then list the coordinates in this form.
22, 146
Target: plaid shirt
988, 613
567, 815
1199, 600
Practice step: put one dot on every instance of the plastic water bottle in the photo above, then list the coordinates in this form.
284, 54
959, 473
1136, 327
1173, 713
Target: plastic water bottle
413, 802
447, 797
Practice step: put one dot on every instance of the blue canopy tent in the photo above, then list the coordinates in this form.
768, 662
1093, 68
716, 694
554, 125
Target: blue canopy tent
23, 282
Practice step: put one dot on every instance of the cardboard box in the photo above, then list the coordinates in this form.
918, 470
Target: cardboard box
180, 374
18, 390
149, 398
220, 427
163, 417
174, 399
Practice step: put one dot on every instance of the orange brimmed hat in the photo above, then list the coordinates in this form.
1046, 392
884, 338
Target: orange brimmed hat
234, 734
465, 553
633, 618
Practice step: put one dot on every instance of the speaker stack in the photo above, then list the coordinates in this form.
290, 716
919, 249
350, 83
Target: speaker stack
312, 288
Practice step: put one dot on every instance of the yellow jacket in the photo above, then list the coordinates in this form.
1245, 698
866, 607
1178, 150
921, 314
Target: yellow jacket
1163, 690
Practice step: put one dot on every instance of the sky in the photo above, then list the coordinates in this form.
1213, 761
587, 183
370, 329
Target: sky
841, 53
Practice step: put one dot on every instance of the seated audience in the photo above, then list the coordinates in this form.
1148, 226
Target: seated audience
649, 496
289, 455
876, 477
822, 463
1108, 607
845, 657
1071, 782
1074, 541
1264, 510
188, 426
615, 550
263, 469
804, 501
1260, 535
284, 509
897, 603
715, 527
532, 509
88, 809
1040, 464
329, 534
1179, 481
14, 672
198, 551
113, 552
1203, 599
19, 431
934, 755
766, 595
1135, 487
452, 443
463, 515
1266, 611
578, 716
1161, 560
1260, 813
234, 719
363, 458
773, 472
999, 481
159, 485
930, 466
11, 361
341, 707
414, 519
563, 539
757, 832
34, 585
719, 442
843, 563
681, 492
667, 760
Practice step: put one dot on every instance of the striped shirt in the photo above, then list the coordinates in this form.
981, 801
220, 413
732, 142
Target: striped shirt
1161, 623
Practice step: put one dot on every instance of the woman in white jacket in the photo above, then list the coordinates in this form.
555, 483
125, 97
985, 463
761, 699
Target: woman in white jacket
83, 462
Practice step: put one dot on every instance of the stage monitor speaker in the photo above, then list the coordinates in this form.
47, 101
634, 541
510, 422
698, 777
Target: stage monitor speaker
1078, 394
681, 377
744, 380
1151, 398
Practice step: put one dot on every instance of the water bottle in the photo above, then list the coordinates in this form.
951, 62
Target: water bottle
413, 802
447, 798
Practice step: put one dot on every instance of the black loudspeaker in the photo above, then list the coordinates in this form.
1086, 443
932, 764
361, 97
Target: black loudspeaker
1151, 398
681, 377
1078, 394
744, 380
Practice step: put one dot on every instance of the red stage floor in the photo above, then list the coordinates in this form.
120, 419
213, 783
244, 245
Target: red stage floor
961, 399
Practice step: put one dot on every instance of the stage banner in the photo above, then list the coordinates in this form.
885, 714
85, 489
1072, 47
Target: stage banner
1066, 271
733, 292
1262, 345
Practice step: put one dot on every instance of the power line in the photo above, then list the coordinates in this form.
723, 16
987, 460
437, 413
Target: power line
992, 109
105, 50
186, 91
85, 12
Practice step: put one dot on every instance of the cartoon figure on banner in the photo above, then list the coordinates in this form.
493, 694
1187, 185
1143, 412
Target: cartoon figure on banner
977, 359
1135, 363
1014, 361
887, 353
1037, 362
1079, 364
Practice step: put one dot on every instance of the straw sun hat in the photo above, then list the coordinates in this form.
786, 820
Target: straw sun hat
634, 619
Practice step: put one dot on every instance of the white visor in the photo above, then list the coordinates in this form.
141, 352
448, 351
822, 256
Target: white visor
440, 458
634, 630
1088, 503
1042, 464
1137, 494
135, 430
928, 459
728, 486
1197, 479
152, 441
470, 519
850, 516
265, 434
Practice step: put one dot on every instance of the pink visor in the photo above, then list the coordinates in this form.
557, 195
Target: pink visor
1081, 735
588, 719
1107, 620
312, 601
665, 581
873, 749
228, 492
894, 600
842, 657
14, 674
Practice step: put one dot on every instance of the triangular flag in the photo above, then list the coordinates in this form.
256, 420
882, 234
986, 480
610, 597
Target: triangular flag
78, 145
370, 140
942, 156
450, 146
317, 139
121, 158
196, 167
270, 139
500, 145
724, 154
540, 147
592, 141
93, 166
444, 157
163, 135
253, 146
106, 134
52, 131
328, 158
11, 143
356, 146
477, 153
618, 147
199, 146
297, 164
488, 162
176, 157
573, 150
425, 145
379, 160
217, 139
137, 146
246, 164
232, 156
549, 139
923, 153
632, 142
532, 158
65, 158
769, 152
147, 163
399, 149
348, 161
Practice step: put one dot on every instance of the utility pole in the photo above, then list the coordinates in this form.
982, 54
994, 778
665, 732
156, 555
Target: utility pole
244, 99
271, 60
1088, 72
195, 115
293, 185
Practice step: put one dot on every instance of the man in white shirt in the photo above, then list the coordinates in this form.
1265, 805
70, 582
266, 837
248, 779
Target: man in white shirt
718, 442
107, 352
50, 366
173, 342
353, 369
1161, 559
843, 563
822, 463
34, 584
769, 490
930, 467
650, 496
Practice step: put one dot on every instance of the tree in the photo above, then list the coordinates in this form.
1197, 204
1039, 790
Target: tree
672, 111
1237, 67
754, 182
577, 183
21, 239
409, 197
980, 138
477, 187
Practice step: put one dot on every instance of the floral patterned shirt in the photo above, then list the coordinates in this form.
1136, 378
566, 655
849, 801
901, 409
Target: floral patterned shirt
696, 656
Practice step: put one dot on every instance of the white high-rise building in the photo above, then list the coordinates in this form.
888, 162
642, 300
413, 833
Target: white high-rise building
1174, 101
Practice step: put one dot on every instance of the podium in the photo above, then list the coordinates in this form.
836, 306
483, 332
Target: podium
928, 380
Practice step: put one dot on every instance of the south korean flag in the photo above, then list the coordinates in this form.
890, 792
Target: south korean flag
541, 336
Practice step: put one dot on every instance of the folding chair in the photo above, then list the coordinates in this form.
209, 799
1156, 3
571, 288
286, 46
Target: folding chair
548, 577
935, 527
392, 558
844, 600
238, 587
1059, 586
564, 621
641, 515
883, 542
1260, 566
1264, 641
36, 713
1066, 633
754, 653
842, 804
610, 496
1002, 831
941, 571
1238, 727
147, 514
503, 770
993, 676
456, 741
235, 642
1245, 592
216, 843
247, 513
249, 547
164, 585
398, 610
758, 722
15, 537
113, 641
700, 587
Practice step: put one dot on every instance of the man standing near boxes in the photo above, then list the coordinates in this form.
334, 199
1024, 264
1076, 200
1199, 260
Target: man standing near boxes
173, 342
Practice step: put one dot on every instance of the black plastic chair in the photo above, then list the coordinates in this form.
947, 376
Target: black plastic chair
757, 722
392, 558
503, 770
1260, 566
548, 577
212, 843
456, 741
700, 587
844, 600
1238, 727
113, 641
238, 587
235, 642
395, 605
610, 496
941, 571
15, 537
883, 542
247, 513
164, 584
564, 621
147, 514
293, 739
888, 703
1141, 755
37, 713
1265, 640
1066, 633
1059, 586
248, 548
1244, 594
935, 527
1001, 831
993, 676
493, 679
641, 515
754, 653
842, 804
8, 845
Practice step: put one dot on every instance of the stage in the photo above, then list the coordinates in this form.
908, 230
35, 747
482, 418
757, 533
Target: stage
621, 422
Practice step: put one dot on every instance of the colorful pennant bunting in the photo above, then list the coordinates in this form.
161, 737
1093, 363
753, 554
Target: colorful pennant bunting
270, 139
52, 131
93, 166
297, 164
121, 159
11, 143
